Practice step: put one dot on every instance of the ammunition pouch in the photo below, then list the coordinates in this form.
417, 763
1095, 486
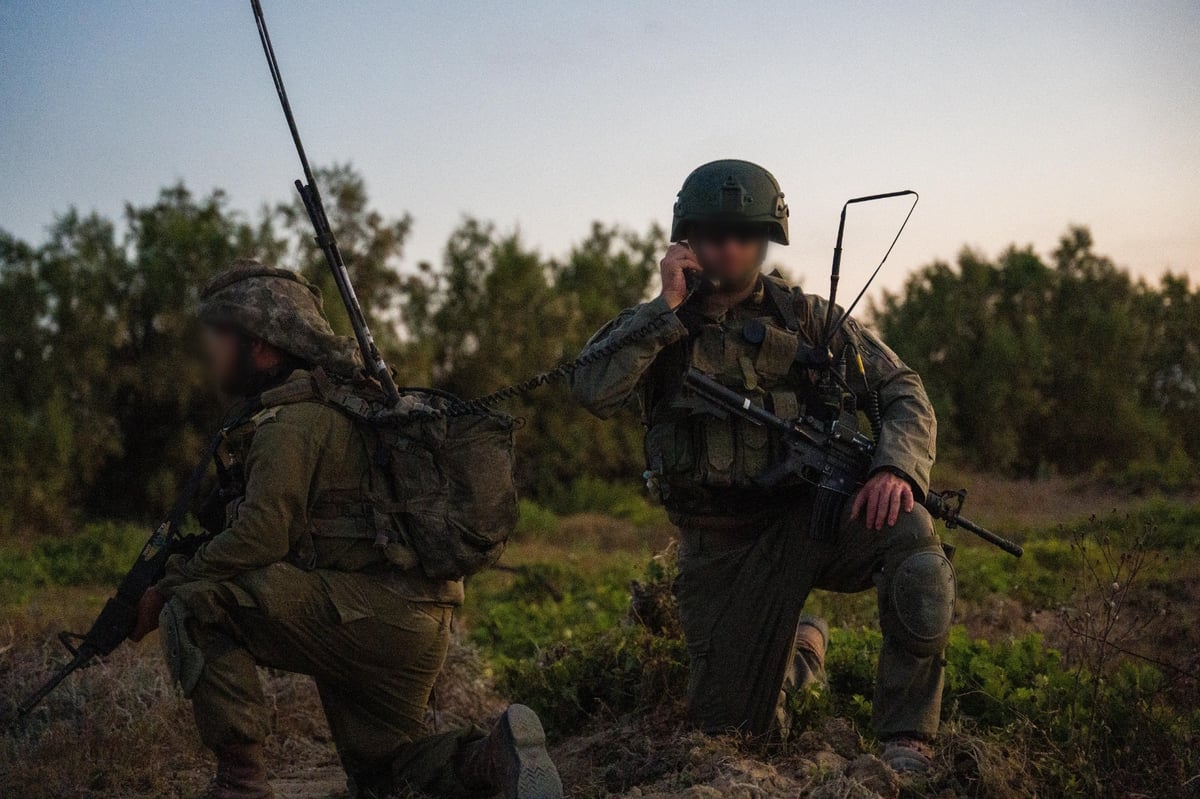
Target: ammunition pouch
688, 442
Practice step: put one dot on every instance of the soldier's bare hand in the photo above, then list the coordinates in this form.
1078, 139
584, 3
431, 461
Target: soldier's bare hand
679, 258
883, 497
148, 608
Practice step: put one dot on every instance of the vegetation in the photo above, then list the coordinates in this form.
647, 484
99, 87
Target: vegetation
1072, 672
1054, 350
1089, 370
1087, 699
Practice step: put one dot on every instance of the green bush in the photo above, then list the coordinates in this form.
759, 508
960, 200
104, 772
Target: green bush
1158, 523
544, 605
1036, 580
536, 522
1084, 734
562, 640
99, 553
620, 500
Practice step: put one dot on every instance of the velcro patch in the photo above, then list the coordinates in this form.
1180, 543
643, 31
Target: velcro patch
264, 416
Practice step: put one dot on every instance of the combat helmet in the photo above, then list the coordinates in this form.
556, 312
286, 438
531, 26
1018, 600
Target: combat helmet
283, 309
731, 191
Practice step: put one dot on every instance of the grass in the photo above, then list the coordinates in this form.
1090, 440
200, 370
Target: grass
563, 639
1032, 708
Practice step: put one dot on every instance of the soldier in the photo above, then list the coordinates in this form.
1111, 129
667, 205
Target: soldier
293, 580
747, 559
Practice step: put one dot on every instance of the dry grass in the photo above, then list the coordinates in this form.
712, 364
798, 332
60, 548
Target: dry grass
121, 729
1004, 503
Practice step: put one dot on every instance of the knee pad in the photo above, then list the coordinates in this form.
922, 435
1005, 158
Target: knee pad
921, 594
185, 660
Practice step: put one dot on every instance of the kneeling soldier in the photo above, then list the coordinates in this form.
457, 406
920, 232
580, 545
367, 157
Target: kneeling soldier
747, 558
293, 580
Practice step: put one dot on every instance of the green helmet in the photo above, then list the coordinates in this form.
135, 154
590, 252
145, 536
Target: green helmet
731, 191
281, 308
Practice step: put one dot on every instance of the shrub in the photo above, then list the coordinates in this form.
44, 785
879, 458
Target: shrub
536, 522
621, 500
1084, 733
99, 553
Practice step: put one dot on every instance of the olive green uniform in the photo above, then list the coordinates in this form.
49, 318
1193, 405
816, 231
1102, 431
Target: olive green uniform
297, 577
748, 557
293, 583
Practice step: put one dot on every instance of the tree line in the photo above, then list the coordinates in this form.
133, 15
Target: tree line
1071, 365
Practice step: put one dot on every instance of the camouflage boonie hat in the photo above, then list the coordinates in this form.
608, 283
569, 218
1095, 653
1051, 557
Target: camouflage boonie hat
281, 308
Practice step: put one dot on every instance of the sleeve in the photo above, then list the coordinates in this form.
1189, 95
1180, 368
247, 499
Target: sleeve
604, 386
280, 468
908, 440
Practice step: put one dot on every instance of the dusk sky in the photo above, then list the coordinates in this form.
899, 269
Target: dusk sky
1013, 120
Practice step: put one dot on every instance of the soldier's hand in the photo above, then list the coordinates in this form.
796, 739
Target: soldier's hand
883, 497
150, 605
679, 258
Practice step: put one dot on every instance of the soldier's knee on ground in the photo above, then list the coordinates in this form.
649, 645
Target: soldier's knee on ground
917, 597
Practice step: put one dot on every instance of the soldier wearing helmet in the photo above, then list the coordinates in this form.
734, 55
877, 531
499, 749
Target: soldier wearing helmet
293, 577
747, 560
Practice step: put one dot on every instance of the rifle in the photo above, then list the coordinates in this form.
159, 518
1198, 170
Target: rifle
832, 456
323, 232
119, 614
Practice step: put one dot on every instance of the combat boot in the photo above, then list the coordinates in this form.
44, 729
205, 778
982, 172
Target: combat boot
512, 760
241, 774
907, 755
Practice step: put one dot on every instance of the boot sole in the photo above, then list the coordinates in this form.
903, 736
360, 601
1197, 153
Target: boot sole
534, 775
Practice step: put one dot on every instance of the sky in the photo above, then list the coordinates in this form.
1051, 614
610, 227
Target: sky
1012, 120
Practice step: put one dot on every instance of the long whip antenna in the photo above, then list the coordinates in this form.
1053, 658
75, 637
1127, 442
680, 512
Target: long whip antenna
311, 197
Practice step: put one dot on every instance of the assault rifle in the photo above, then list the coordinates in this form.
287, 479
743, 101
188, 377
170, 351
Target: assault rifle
831, 455
119, 615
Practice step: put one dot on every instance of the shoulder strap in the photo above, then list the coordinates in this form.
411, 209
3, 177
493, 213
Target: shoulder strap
780, 295
319, 387
291, 392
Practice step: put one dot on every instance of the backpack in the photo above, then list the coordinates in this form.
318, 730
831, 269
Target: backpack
441, 484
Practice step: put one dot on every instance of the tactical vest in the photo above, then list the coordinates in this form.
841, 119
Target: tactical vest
694, 455
440, 493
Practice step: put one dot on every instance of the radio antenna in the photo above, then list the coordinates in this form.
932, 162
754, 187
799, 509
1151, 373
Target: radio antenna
831, 328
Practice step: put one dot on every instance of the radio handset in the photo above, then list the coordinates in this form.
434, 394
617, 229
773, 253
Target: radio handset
699, 282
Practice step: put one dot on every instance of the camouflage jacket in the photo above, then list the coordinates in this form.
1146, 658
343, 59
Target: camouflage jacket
908, 438
300, 467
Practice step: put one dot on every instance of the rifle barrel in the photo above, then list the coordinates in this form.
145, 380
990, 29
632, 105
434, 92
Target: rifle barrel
940, 509
81, 658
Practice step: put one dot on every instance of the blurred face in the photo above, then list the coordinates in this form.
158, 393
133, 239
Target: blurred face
730, 253
222, 352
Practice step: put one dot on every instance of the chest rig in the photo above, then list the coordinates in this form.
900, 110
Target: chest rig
694, 453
